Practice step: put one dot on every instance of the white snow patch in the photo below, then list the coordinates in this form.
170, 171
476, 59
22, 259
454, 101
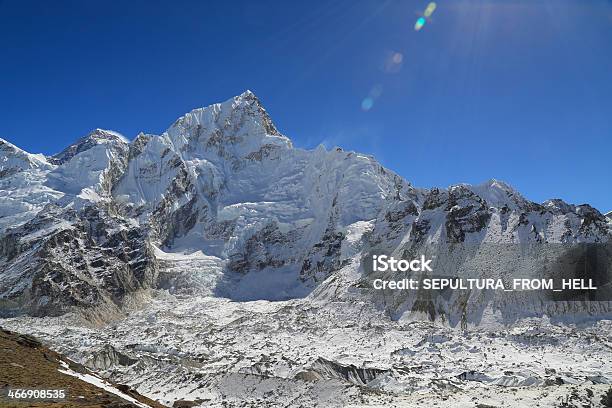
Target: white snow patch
100, 383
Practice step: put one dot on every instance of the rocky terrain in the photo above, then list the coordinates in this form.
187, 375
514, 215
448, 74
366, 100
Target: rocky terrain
26, 364
216, 263
220, 353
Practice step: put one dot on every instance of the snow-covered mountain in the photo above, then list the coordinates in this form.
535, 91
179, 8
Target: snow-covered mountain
217, 265
223, 204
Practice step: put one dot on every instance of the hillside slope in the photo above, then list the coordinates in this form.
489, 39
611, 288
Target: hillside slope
25, 363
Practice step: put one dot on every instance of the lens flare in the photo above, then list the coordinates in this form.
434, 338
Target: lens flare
376, 91
420, 23
367, 104
393, 62
431, 7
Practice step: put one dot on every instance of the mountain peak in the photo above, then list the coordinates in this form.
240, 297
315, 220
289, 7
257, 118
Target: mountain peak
497, 193
240, 122
14, 159
248, 95
7, 148
106, 135
557, 205
495, 183
95, 137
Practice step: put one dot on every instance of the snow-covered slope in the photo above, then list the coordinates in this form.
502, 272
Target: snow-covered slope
14, 160
223, 201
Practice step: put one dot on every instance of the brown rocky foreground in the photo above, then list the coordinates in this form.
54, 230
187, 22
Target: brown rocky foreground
25, 363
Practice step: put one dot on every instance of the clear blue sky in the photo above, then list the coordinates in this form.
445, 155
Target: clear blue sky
515, 90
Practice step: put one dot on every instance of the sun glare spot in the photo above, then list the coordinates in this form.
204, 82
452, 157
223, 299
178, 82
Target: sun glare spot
376, 91
420, 23
393, 62
431, 7
367, 104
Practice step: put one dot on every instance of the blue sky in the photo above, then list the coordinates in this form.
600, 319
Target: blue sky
515, 90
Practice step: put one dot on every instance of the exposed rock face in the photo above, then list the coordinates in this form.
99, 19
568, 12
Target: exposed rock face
100, 221
85, 258
108, 357
327, 369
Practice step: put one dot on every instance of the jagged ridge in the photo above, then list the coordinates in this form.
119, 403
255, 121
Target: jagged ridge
103, 220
